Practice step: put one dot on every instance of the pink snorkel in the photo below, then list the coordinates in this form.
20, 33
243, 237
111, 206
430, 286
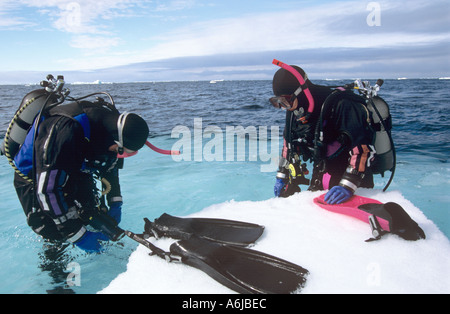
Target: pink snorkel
153, 147
162, 151
123, 151
300, 80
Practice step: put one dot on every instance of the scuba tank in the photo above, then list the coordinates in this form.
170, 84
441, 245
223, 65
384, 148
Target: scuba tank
31, 106
382, 123
35, 105
18, 128
385, 157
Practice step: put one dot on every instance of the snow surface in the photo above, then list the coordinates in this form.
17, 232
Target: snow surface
331, 246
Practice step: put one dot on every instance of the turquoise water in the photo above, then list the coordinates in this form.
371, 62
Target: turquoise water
153, 183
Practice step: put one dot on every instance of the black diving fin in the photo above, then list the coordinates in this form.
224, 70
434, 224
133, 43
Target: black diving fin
240, 269
399, 222
219, 230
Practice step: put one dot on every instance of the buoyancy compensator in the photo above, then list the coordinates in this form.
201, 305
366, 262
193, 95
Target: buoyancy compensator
35, 105
18, 128
381, 122
385, 158
31, 106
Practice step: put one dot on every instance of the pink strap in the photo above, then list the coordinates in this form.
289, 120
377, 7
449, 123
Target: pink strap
326, 181
300, 80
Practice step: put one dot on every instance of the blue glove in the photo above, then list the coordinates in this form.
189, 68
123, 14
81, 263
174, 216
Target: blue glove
338, 195
89, 242
115, 211
279, 187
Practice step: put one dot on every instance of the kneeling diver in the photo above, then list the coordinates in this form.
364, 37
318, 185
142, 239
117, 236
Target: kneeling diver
332, 131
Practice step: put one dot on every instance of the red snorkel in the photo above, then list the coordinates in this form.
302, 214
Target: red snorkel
123, 153
162, 151
153, 147
300, 79
126, 155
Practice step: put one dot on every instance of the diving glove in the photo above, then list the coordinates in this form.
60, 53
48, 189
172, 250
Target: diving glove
90, 242
279, 187
115, 211
338, 195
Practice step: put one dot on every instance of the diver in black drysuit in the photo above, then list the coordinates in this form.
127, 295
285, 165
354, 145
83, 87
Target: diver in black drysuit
74, 144
342, 159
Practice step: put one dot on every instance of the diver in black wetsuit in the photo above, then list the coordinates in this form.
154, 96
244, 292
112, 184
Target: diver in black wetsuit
336, 136
75, 144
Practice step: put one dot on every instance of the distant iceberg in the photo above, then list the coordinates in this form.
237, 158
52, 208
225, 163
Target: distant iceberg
96, 82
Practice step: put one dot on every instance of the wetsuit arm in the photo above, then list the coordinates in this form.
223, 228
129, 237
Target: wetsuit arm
283, 172
359, 162
354, 132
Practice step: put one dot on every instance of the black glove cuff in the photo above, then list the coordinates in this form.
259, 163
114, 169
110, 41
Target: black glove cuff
351, 179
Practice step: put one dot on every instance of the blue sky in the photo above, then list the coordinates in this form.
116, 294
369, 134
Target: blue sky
128, 40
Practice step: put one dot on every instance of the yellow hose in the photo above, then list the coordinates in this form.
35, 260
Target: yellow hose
107, 186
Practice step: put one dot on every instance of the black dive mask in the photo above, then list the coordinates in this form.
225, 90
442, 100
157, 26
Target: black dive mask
288, 102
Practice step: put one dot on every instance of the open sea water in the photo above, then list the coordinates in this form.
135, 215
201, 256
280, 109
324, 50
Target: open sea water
153, 184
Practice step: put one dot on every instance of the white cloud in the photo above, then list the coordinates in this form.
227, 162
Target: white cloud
9, 21
332, 25
82, 16
94, 27
94, 44
175, 5
12, 22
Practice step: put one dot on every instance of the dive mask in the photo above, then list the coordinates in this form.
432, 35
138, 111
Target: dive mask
284, 102
288, 102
